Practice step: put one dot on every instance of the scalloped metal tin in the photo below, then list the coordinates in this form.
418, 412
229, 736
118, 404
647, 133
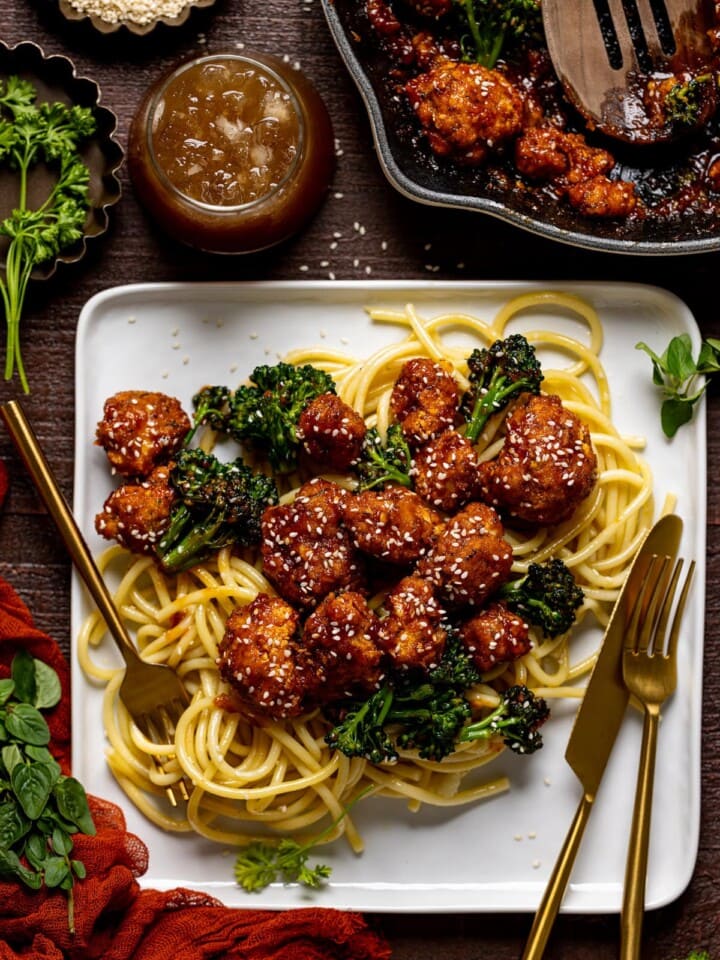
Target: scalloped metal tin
415, 177
56, 78
139, 29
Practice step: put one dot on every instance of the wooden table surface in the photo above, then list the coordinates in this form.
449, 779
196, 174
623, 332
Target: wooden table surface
400, 239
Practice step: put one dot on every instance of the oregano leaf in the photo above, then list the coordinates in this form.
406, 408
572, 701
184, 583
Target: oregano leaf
27, 724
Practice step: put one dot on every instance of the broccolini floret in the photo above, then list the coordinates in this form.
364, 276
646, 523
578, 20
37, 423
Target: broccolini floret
217, 504
492, 26
547, 596
211, 407
266, 412
430, 717
456, 668
684, 100
497, 373
517, 719
380, 463
361, 731
413, 711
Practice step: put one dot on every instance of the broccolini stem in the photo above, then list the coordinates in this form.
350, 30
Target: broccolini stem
469, 7
482, 410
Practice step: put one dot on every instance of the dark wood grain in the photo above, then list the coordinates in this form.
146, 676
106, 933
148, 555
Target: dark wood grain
421, 243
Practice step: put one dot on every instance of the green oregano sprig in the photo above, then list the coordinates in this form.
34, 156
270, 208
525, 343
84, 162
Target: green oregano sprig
40, 808
682, 377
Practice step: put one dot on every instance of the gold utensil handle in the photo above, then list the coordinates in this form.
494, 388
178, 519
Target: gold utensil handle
29, 449
555, 890
633, 906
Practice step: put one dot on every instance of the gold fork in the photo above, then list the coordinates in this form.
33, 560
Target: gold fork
650, 674
152, 692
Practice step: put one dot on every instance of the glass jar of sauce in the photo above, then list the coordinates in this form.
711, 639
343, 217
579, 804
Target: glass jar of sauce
232, 152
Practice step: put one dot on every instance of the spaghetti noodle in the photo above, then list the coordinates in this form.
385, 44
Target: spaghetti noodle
247, 777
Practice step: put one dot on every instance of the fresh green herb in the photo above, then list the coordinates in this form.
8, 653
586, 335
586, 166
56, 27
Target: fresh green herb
678, 374
40, 808
697, 955
30, 134
261, 863
490, 26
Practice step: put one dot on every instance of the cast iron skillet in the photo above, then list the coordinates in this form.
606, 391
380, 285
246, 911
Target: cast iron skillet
412, 169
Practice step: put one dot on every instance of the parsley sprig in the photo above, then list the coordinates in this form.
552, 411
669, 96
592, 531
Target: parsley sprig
680, 375
31, 133
261, 863
41, 809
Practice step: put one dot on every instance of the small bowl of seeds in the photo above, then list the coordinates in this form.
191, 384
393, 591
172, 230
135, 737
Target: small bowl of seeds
137, 16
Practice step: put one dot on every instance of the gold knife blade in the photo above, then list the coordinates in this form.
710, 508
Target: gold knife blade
601, 712
597, 723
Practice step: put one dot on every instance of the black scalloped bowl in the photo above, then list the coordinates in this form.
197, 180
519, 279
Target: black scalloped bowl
55, 78
413, 170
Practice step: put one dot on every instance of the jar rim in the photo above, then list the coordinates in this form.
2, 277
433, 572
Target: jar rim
257, 60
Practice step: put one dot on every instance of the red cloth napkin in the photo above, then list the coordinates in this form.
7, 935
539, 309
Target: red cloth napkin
114, 918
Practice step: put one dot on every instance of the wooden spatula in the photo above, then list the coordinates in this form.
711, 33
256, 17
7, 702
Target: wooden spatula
619, 59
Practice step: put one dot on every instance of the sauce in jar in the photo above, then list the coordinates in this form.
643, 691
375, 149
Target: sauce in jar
232, 153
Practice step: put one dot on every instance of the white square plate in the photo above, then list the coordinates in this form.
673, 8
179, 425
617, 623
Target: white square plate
496, 855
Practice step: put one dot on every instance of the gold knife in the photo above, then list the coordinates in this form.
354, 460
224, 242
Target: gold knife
597, 723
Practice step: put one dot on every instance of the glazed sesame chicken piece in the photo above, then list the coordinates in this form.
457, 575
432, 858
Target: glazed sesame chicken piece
392, 524
603, 198
136, 515
424, 399
331, 432
259, 657
305, 550
340, 639
546, 466
141, 429
445, 471
470, 560
545, 152
412, 633
465, 109
495, 635
580, 170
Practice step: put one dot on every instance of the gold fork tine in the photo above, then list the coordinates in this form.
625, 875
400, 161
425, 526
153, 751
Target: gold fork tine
149, 730
675, 629
169, 714
643, 637
643, 602
664, 617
